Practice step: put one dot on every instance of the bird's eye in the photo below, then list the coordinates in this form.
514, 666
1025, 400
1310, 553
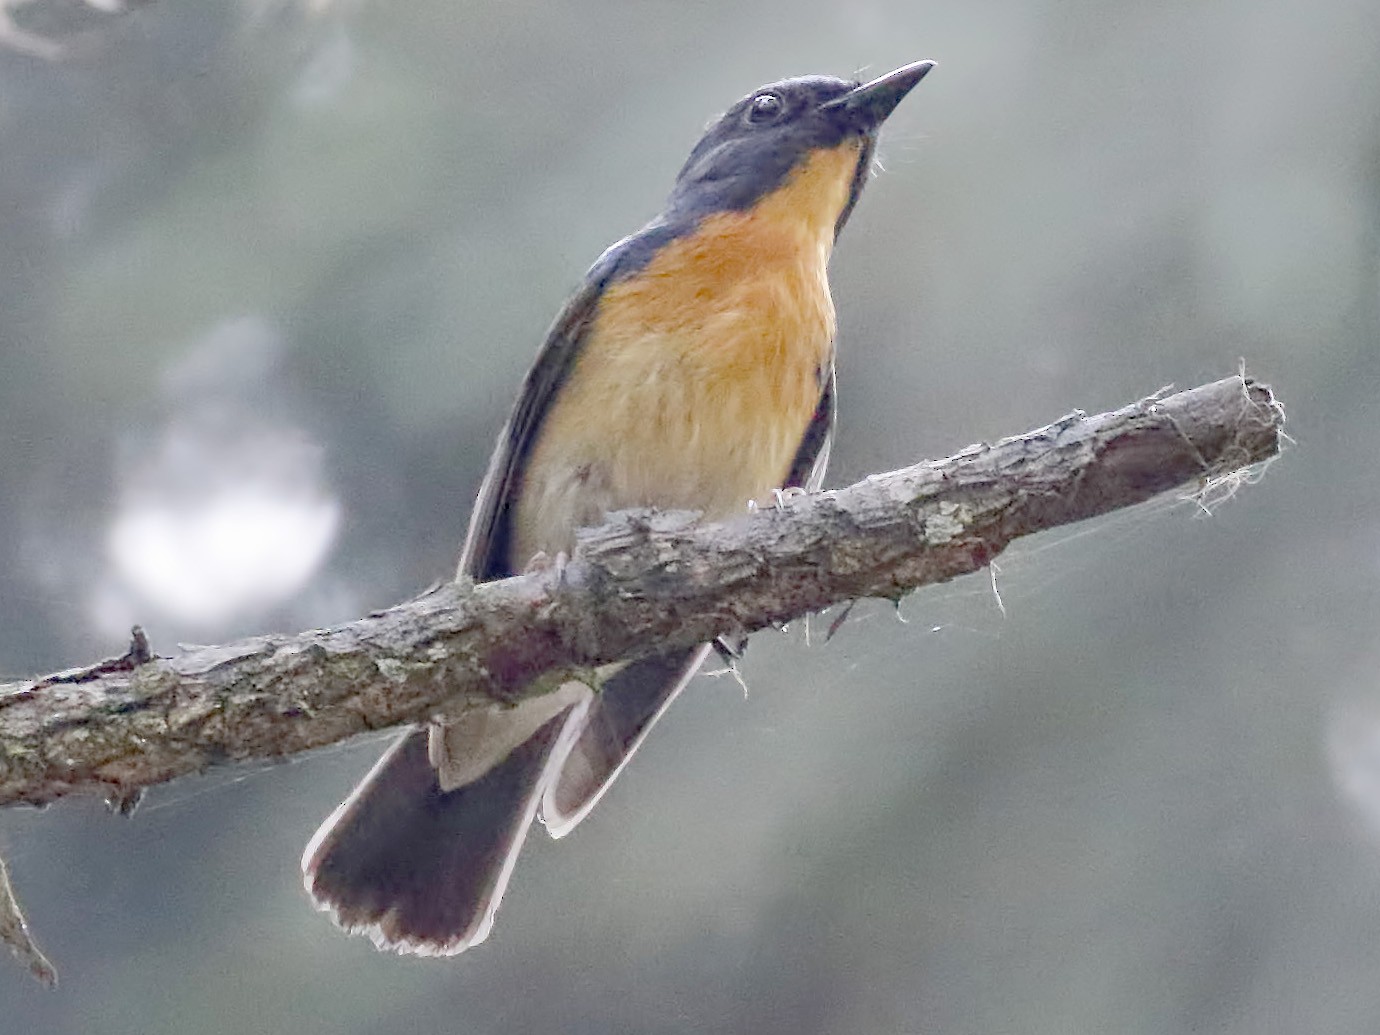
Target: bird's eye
765, 107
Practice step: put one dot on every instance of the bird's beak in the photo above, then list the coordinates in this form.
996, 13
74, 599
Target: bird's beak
868, 105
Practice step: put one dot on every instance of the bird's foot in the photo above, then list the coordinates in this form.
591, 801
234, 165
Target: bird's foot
543, 562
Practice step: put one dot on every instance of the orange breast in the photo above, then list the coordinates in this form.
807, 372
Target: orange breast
700, 373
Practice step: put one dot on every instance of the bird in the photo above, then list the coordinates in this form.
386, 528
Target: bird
693, 369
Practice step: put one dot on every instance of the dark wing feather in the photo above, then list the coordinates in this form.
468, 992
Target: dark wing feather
485, 555
807, 470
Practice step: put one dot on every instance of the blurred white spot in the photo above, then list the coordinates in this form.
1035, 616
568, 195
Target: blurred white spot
223, 511
207, 559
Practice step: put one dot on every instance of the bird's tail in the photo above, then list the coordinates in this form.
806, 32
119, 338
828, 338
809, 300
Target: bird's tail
618, 720
420, 867
422, 870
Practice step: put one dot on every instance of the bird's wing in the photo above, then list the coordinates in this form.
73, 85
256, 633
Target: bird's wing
485, 555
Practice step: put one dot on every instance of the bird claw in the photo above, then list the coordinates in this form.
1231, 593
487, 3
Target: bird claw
784, 496
780, 497
542, 562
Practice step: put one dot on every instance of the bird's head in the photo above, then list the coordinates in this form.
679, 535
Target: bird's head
765, 142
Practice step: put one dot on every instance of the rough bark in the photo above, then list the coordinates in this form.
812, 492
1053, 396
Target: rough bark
644, 580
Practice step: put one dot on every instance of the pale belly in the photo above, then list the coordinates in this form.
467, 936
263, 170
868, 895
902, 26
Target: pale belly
674, 424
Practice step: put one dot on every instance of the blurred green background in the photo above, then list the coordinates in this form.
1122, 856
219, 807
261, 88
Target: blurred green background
269, 276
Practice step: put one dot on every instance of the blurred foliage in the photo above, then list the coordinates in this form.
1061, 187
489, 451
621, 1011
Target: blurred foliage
271, 263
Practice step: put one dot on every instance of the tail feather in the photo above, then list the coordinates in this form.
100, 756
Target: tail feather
421, 870
619, 719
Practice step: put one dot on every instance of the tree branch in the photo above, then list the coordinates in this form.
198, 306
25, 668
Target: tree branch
644, 581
